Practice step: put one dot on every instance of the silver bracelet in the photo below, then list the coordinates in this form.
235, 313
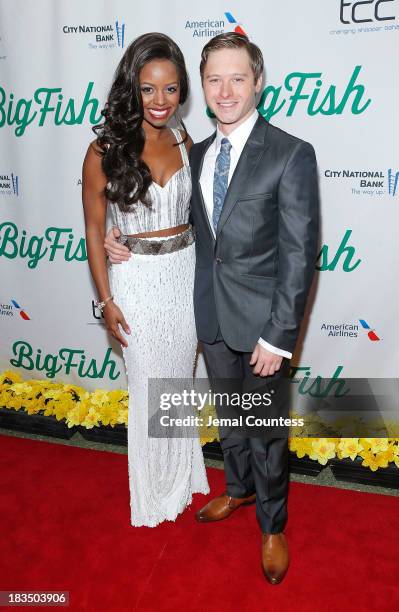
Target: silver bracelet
100, 305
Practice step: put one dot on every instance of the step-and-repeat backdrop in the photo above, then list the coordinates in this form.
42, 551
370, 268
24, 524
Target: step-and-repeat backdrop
331, 79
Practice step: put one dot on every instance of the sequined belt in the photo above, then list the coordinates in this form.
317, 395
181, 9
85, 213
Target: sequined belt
146, 246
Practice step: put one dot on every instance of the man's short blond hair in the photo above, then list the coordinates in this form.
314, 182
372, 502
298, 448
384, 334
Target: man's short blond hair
234, 40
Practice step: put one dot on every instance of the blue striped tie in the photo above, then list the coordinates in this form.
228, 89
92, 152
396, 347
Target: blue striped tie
220, 180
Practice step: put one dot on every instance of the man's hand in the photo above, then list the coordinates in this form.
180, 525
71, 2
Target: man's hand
265, 363
116, 252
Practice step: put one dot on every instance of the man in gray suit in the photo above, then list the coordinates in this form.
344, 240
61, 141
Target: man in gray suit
255, 211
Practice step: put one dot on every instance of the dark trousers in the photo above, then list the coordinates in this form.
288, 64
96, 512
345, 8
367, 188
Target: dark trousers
254, 464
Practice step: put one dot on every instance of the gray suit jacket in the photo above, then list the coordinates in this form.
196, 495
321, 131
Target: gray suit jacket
253, 280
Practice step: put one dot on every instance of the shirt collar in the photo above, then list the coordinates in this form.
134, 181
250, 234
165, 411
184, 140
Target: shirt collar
239, 136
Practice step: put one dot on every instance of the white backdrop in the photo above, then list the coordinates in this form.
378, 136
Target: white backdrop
330, 79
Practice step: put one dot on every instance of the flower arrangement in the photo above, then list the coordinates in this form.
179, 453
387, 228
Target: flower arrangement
77, 406
64, 401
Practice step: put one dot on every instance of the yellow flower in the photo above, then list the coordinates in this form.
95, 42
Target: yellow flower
73, 390
377, 445
387, 456
53, 393
15, 402
77, 415
322, 450
60, 411
118, 395
123, 416
300, 446
91, 419
33, 407
9, 377
365, 443
21, 388
371, 461
107, 417
349, 447
99, 397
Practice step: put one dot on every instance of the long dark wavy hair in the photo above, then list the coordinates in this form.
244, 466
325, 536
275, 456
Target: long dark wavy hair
120, 136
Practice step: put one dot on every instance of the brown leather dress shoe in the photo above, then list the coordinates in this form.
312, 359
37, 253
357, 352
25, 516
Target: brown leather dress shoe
221, 507
275, 557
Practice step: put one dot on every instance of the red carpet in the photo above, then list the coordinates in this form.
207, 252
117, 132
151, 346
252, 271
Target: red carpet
65, 526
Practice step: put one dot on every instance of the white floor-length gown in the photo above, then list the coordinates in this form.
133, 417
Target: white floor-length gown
155, 295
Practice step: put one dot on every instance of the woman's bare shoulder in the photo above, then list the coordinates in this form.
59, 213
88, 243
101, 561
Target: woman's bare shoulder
92, 165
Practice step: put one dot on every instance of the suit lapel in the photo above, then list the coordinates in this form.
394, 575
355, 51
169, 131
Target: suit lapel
249, 159
198, 162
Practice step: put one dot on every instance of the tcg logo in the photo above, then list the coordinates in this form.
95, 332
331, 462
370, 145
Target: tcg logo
351, 11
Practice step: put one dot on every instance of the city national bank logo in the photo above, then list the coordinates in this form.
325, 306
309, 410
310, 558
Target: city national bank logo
368, 182
106, 36
9, 184
367, 16
120, 33
370, 332
393, 180
7, 310
207, 28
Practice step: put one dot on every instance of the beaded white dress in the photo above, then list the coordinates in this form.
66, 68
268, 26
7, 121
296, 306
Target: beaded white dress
155, 295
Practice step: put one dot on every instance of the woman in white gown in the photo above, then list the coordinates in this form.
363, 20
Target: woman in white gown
138, 166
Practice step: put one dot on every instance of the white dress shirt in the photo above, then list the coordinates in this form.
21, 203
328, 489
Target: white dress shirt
237, 138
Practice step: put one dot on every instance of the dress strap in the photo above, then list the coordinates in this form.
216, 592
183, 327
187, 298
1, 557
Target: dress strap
182, 146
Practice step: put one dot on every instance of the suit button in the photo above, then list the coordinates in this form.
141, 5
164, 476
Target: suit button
218, 260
